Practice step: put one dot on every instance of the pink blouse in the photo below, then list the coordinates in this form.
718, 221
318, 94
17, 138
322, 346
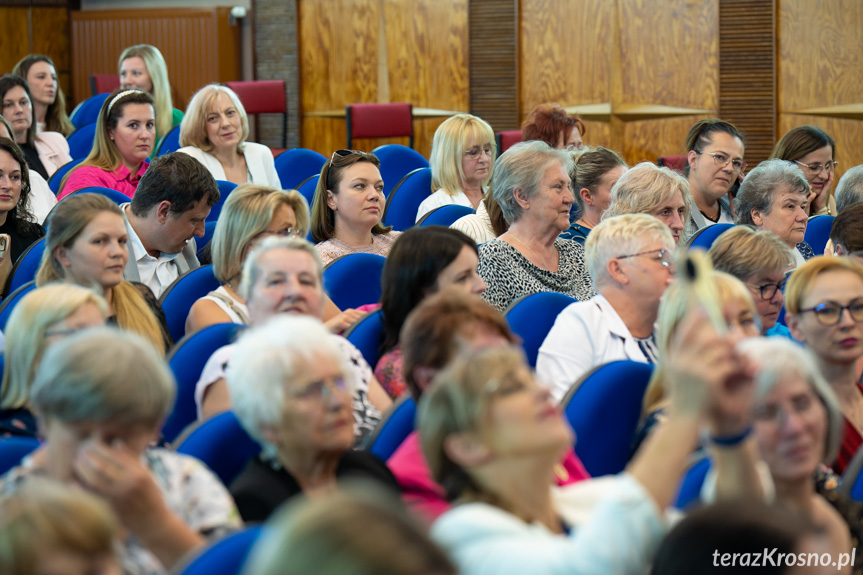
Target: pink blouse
120, 179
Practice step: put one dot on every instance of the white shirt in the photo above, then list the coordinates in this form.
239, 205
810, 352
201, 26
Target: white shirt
585, 334
441, 198
42, 199
476, 226
156, 273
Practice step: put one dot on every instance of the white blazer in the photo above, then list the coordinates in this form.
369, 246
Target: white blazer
259, 162
53, 150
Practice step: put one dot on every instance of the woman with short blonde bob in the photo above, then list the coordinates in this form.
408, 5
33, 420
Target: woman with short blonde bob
143, 67
462, 158
250, 214
659, 192
214, 132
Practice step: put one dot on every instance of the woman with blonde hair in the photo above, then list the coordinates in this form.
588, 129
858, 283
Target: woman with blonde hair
41, 317
86, 245
49, 102
462, 158
214, 132
143, 67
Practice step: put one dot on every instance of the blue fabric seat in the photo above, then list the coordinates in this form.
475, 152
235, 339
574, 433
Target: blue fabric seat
532, 317
353, 280
689, 490
81, 141
10, 301
222, 444
444, 215
170, 142
818, 232
394, 427
404, 201
225, 189
202, 243
57, 177
396, 162
365, 335
297, 165
307, 188
705, 237
226, 556
14, 449
113, 195
178, 298
87, 112
24, 270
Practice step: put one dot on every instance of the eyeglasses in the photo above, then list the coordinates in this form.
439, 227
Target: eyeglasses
664, 257
322, 389
721, 160
286, 233
341, 154
768, 291
829, 313
475, 152
815, 169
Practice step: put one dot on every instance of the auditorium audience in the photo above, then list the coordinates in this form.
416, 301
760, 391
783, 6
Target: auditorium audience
849, 191
846, 234
819, 294
167, 212
125, 138
49, 102
714, 163
143, 67
659, 192
285, 275
485, 224
594, 175
348, 207
631, 261
761, 261
812, 150
462, 158
291, 388
99, 419
553, 125
86, 245
16, 218
45, 151
42, 199
773, 196
532, 186
214, 132
41, 318
423, 261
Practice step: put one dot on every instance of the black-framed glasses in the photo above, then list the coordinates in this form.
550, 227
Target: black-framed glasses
664, 256
815, 169
721, 160
829, 313
341, 154
768, 291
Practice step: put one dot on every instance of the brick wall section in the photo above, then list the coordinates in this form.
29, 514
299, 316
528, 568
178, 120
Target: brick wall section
276, 59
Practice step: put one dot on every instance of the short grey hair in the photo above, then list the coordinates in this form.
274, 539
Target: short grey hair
251, 271
265, 358
849, 191
776, 357
103, 375
645, 188
621, 235
522, 167
761, 185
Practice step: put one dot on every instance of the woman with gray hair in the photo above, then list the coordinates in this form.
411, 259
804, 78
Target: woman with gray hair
773, 196
291, 388
849, 192
532, 186
99, 419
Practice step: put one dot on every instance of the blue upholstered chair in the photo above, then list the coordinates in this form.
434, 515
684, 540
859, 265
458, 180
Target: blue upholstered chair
396, 162
178, 298
818, 232
225, 189
307, 188
202, 243
14, 449
705, 237
689, 491
365, 335
297, 165
353, 280
444, 215
81, 141
395, 425
87, 112
404, 201
222, 444
10, 301
57, 177
24, 270
226, 556
170, 142
113, 195
532, 317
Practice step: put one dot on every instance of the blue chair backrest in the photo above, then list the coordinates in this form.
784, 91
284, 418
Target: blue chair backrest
225, 189
114, 195
202, 243
222, 444
689, 490
57, 177
404, 201
532, 317
170, 142
307, 188
14, 449
705, 237
187, 360
365, 334
396, 162
818, 232
394, 427
353, 280
226, 556
444, 215
10, 301
297, 165
26, 267
604, 409
87, 112
81, 141
178, 298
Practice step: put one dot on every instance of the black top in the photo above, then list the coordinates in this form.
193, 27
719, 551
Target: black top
260, 489
33, 160
17, 422
20, 242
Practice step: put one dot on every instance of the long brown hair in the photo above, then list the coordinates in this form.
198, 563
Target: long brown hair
56, 118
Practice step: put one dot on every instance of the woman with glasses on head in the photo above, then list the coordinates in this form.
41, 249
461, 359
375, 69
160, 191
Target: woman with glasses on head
714, 163
824, 310
594, 175
250, 214
348, 207
462, 158
553, 125
812, 150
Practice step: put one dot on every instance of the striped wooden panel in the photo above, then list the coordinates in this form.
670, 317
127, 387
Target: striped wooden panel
494, 70
747, 72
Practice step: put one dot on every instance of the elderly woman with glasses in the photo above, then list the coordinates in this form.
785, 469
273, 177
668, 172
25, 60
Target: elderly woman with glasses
291, 387
824, 310
348, 207
812, 150
774, 197
532, 187
629, 258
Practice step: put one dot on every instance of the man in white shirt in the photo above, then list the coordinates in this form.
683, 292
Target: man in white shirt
169, 209
630, 262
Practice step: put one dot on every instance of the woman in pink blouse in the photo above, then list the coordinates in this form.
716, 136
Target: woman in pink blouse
125, 136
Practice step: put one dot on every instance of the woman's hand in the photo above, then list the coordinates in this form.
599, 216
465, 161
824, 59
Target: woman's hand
344, 320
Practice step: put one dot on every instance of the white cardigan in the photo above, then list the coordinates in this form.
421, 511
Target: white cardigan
259, 163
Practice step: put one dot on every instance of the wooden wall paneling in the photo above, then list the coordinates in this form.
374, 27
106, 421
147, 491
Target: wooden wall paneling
56, 44
14, 41
494, 65
647, 140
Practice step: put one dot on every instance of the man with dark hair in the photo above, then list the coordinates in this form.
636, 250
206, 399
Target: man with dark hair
168, 210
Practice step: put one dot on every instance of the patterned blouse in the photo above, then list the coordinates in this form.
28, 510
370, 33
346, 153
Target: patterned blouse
509, 275
333, 248
191, 491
